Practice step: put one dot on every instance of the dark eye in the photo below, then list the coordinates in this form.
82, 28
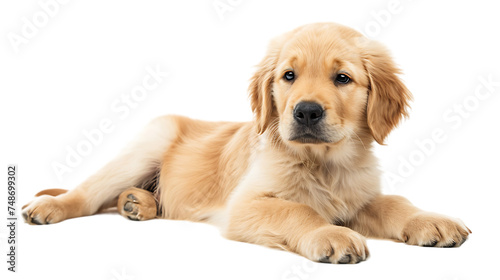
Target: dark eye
342, 79
289, 75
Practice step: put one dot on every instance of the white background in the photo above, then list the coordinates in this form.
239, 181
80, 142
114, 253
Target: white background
66, 76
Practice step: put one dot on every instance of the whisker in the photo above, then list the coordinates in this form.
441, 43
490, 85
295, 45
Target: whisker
358, 138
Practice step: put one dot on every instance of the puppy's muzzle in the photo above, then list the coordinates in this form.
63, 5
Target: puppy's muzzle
308, 127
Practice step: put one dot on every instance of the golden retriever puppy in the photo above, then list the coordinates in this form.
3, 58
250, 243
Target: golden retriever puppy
300, 177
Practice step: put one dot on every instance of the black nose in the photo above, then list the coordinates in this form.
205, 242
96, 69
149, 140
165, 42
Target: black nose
308, 113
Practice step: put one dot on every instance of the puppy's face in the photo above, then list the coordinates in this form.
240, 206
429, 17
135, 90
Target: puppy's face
323, 84
320, 87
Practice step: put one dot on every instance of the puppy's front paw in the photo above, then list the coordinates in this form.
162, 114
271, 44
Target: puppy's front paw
43, 210
427, 229
333, 244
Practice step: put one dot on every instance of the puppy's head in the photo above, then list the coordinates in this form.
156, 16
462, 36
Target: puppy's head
325, 83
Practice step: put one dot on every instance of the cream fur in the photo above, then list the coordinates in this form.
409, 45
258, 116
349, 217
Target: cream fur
317, 200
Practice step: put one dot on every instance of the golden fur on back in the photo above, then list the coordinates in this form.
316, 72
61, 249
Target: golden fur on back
301, 176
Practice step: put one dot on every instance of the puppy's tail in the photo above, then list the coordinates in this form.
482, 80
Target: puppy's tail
52, 192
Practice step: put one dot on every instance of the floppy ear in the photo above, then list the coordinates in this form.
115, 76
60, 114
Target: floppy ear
388, 97
260, 89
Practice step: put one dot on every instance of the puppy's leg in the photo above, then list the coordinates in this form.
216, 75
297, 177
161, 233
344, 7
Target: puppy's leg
294, 227
137, 204
134, 166
394, 217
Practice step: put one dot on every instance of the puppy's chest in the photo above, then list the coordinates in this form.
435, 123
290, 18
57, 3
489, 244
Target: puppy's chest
335, 193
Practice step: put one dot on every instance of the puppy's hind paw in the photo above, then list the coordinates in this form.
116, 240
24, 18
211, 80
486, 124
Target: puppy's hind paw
137, 204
